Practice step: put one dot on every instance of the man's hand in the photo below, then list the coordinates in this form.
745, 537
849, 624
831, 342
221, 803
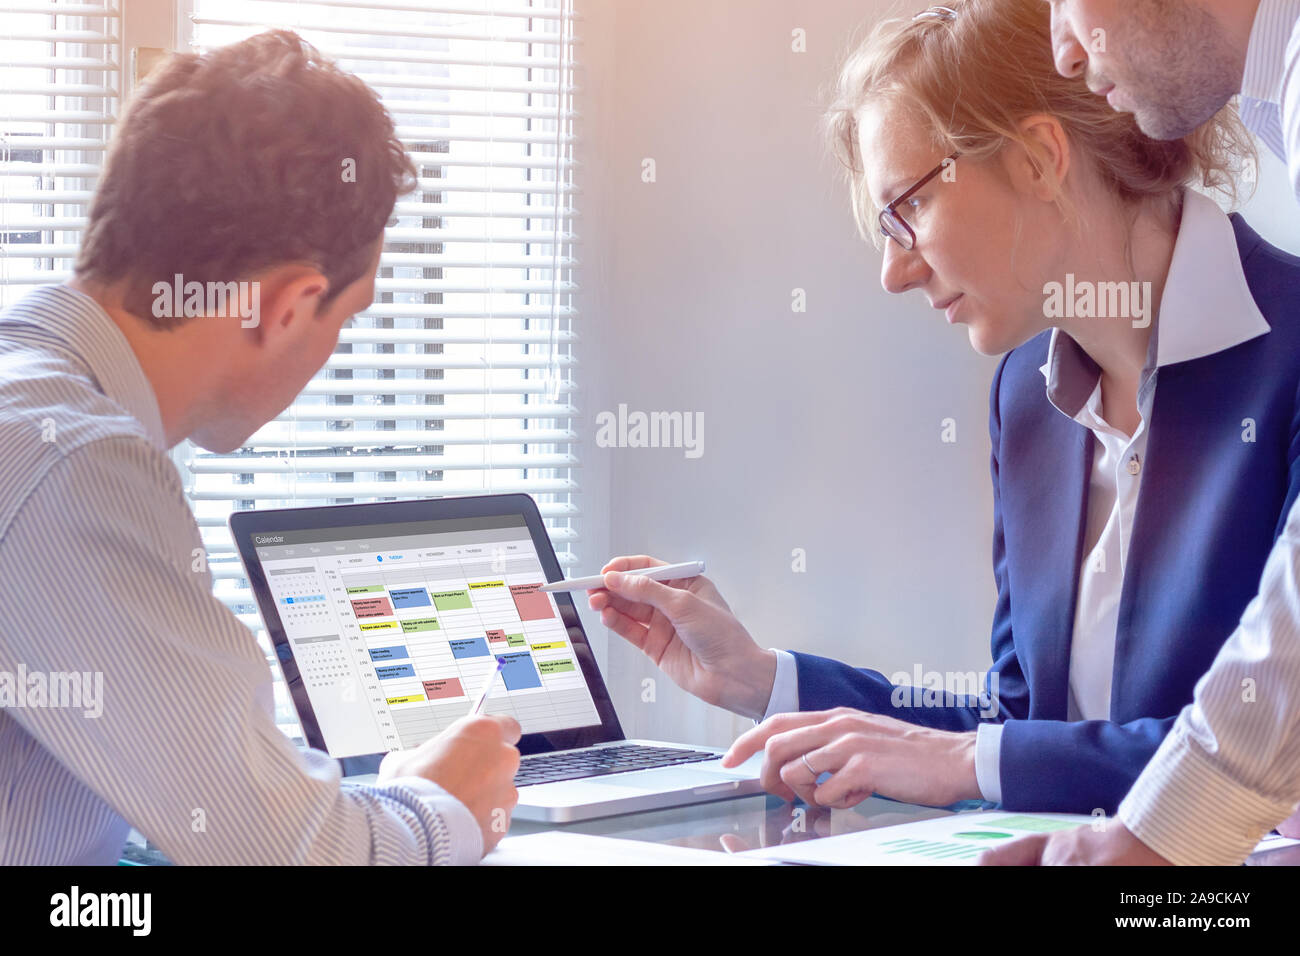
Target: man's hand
689, 632
1113, 846
864, 753
474, 760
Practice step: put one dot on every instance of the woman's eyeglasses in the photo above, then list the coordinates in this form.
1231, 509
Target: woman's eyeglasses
895, 226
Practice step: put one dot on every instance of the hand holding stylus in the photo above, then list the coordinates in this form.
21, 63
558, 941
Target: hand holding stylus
688, 630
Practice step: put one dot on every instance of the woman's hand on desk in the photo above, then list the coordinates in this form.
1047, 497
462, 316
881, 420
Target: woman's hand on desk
689, 632
864, 754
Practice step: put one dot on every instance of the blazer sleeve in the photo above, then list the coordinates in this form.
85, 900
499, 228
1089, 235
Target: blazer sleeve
824, 684
1075, 767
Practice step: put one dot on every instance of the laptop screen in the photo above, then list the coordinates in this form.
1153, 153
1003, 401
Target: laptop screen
395, 627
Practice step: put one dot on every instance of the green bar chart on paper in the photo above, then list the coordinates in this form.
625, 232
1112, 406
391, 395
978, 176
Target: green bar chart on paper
955, 839
932, 849
983, 831
1036, 824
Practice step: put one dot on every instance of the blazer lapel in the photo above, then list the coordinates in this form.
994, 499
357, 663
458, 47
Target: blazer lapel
1056, 507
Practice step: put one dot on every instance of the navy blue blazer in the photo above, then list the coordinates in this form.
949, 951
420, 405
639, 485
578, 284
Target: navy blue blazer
1210, 506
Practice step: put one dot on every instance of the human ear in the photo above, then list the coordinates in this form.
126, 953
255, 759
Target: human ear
1039, 162
290, 298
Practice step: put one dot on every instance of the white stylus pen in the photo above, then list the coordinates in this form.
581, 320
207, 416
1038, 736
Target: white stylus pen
487, 686
667, 572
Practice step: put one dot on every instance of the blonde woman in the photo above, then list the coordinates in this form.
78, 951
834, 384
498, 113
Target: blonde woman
1142, 463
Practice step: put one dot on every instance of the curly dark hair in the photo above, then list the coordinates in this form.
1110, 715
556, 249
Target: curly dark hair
255, 154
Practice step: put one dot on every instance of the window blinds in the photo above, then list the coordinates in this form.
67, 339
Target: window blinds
59, 83
459, 379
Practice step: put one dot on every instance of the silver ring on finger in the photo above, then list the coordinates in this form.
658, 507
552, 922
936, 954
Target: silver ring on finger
804, 758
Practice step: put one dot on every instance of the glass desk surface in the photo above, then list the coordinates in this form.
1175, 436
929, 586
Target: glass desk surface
749, 823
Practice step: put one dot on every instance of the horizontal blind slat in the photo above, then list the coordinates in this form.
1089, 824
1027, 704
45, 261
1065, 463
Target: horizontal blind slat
359, 28
482, 10
407, 386
62, 63
351, 413
106, 11
87, 37
268, 438
437, 337
407, 361
303, 489
547, 511
280, 465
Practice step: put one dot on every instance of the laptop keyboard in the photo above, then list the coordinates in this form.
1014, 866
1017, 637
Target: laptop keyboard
576, 764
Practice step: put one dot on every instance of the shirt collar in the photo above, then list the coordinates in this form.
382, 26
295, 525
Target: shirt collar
1266, 55
82, 327
1207, 307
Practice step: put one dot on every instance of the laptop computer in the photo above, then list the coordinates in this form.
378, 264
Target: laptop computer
387, 618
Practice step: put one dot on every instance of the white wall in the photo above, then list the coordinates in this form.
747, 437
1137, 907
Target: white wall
821, 430
1271, 210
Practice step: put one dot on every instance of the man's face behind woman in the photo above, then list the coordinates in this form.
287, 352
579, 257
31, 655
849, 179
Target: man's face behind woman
1168, 62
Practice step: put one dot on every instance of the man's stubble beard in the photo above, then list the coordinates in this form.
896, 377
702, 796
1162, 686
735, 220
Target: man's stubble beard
1185, 72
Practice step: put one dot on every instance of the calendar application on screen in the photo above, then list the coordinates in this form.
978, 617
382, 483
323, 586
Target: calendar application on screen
394, 629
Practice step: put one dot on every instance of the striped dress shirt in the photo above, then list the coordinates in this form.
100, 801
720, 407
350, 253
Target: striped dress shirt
1229, 770
129, 695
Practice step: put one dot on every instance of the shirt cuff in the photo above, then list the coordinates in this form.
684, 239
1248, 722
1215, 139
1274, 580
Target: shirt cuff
464, 837
1192, 814
988, 761
785, 688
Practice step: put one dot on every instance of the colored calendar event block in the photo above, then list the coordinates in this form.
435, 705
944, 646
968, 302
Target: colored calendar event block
469, 647
409, 597
518, 672
532, 604
372, 607
555, 667
392, 671
444, 688
417, 624
408, 699
452, 600
395, 653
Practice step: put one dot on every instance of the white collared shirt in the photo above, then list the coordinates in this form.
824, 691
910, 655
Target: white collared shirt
93, 506
1229, 771
1206, 308
1270, 86
1112, 509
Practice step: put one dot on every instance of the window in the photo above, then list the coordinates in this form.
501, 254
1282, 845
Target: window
459, 379
59, 82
